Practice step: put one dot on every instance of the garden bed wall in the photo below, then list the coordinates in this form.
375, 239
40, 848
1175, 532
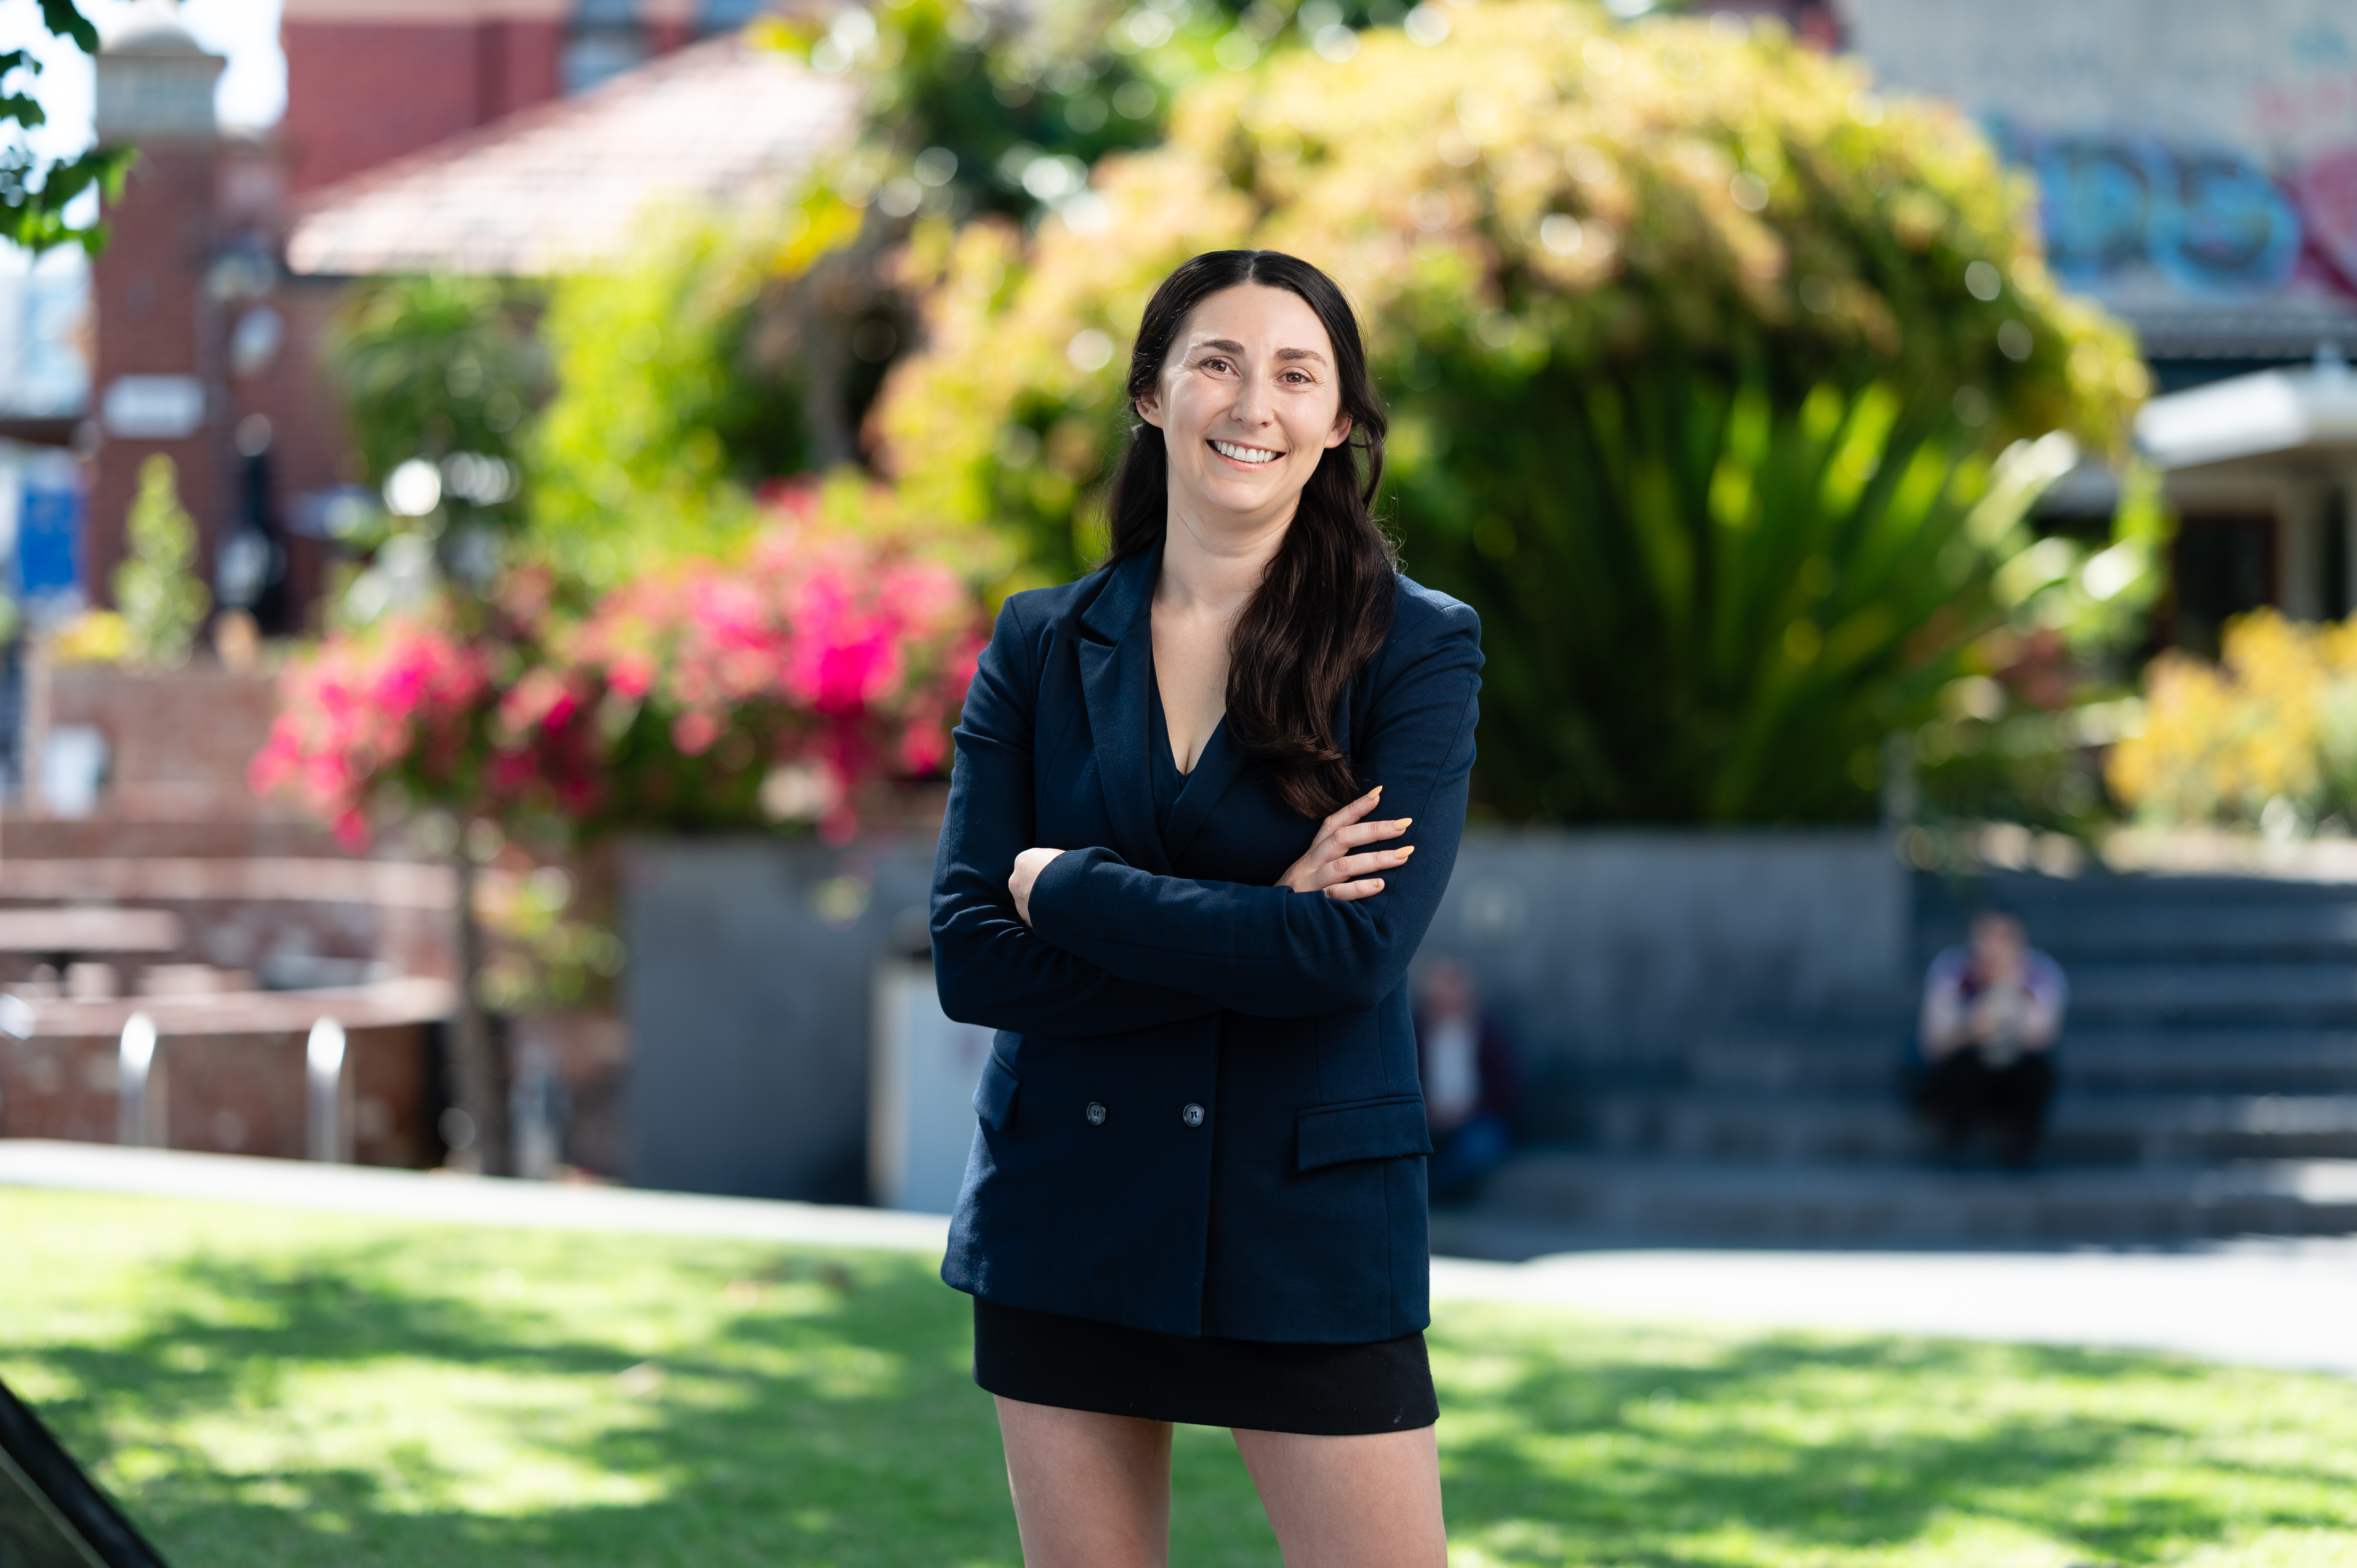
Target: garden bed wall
1604, 953
1611, 951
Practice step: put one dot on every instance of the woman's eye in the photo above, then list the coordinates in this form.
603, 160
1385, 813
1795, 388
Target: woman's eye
1215, 364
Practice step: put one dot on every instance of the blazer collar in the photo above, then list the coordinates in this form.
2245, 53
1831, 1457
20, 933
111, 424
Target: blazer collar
1116, 662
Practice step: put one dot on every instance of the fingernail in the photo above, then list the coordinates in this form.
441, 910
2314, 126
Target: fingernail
1406, 850
1403, 822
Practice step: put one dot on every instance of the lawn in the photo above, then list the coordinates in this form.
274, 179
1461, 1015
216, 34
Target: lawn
268, 1388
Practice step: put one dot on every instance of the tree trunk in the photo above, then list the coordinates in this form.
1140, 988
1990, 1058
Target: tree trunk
473, 1064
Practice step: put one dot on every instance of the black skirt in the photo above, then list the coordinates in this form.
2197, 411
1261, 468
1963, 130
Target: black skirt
1325, 1391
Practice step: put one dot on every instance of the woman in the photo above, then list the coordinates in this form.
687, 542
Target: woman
1198, 1191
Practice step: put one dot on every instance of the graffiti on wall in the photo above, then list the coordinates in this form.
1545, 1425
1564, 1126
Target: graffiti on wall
2207, 219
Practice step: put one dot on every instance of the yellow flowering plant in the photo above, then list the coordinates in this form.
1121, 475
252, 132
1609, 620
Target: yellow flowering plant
2265, 737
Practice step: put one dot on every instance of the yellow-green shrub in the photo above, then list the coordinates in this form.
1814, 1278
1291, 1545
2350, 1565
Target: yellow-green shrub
2268, 733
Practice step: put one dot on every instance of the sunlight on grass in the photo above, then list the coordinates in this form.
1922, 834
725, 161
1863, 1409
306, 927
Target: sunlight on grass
265, 1388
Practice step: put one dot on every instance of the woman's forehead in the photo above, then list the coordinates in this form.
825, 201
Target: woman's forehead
1255, 318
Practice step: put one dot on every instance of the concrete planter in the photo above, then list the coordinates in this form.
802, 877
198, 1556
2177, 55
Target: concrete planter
749, 996
751, 984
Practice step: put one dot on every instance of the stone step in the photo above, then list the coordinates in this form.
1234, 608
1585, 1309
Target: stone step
2033, 895
2178, 932
2124, 1129
1551, 1200
2096, 1060
2173, 994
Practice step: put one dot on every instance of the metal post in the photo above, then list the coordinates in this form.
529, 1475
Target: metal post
326, 1136
134, 1058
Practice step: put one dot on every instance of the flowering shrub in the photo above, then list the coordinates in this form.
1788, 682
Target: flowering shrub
714, 694
2265, 738
396, 706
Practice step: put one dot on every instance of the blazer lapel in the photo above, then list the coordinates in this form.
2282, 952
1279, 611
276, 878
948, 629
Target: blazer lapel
1114, 673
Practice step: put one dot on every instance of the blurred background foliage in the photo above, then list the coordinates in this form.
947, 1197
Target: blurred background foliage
438, 376
1723, 386
1700, 355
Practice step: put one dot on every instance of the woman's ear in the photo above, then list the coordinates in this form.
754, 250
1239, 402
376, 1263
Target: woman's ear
1341, 433
1149, 408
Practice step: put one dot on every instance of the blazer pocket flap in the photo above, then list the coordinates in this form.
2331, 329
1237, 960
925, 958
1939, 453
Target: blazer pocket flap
1368, 1130
994, 1097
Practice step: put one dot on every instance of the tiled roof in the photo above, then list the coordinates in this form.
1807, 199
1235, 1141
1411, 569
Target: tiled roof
559, 187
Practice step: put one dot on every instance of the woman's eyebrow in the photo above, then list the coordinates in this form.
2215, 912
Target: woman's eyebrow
1230, 346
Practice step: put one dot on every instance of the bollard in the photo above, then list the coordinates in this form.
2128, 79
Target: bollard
327, 1130
136, 1057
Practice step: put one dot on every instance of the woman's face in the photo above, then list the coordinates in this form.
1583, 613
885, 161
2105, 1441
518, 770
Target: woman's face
1247, 402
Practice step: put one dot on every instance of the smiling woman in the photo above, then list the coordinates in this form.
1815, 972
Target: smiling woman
1198, 1191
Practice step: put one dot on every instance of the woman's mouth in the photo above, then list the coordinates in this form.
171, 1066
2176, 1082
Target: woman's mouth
1235, 452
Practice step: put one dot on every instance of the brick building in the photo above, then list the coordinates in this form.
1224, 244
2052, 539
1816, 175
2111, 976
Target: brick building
204, 347
368, 80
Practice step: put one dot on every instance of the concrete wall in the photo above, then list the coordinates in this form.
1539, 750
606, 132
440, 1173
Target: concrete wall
749, 996
1605, 950
749, 990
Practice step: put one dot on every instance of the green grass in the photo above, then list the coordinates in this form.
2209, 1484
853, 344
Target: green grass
268, 1388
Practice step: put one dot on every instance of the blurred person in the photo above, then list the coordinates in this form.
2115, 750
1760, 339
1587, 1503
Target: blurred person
1992, 1013
1197, 1193
1472, 1084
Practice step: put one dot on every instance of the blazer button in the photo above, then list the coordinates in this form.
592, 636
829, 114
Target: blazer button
1192, 1116
1096, 1114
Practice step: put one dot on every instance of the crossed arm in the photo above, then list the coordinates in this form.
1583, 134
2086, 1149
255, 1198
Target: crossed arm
1088, 944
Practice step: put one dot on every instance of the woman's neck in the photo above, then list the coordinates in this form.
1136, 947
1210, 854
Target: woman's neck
1211, 570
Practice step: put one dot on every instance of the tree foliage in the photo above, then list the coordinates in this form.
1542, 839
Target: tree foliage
34, 195
723, 355
1699, 353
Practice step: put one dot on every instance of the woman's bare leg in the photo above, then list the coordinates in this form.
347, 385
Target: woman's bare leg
1351, 1502
1091, 1491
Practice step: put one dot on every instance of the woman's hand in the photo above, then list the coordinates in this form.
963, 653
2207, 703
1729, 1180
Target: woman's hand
1027, 867
1330, 868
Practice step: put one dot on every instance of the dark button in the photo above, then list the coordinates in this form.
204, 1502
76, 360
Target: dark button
1192, 1116
1096, 1114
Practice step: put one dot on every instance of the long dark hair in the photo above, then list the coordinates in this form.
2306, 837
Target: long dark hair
1325, 606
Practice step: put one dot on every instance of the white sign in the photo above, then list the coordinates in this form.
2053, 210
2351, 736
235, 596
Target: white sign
153, 408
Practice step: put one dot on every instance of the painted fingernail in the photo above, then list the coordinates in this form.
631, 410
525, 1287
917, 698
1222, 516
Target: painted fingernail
1402, 822
1405, 851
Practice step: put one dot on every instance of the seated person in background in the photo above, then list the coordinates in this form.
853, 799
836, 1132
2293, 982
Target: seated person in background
1472, 1086
1992, 1012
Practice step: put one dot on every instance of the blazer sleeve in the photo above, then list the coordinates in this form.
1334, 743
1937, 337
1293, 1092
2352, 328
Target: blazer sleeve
989, 967
1271, 952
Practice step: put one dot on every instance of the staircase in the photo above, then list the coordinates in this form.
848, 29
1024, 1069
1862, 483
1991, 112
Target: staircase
2209, 1089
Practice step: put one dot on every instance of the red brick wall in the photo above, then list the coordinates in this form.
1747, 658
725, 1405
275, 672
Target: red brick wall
154, 318
227, 1093
362, 92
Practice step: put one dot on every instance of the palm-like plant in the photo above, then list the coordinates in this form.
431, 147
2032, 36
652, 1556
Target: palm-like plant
1706, 604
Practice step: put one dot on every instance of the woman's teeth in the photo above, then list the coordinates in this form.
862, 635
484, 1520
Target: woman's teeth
1244, 454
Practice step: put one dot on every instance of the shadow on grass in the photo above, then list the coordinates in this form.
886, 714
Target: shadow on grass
1647, 1451
411, 1395
679, 1402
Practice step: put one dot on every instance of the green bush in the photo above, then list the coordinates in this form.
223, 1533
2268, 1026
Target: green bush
162, 598
1699, 353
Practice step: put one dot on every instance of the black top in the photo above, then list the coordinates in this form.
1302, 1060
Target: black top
1170, 786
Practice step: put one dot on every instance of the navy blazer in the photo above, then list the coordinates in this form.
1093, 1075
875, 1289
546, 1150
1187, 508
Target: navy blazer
1200, 1113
